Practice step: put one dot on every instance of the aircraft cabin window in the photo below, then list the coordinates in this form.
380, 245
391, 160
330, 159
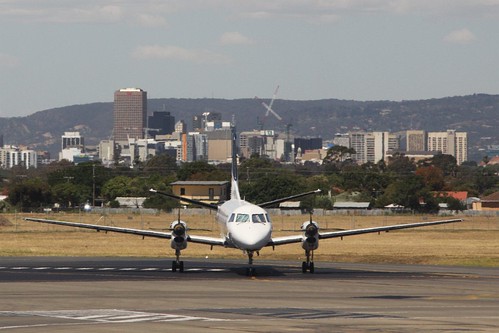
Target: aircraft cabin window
258, 218
242, 218
231, 218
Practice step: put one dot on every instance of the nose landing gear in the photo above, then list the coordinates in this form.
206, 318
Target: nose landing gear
309, 264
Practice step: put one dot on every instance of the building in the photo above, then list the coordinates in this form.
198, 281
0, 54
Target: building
373, 146
130, 114
196, 147
209, 191
307, 144
200, 122
490, 203
450, 143
72, 139
160, 123
251, 143
219, 146
11, 156
415, 140
106, 152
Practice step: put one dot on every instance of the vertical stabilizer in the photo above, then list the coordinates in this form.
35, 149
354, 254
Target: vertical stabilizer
234, 193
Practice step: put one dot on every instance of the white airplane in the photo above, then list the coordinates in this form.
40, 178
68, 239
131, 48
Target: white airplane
244, 226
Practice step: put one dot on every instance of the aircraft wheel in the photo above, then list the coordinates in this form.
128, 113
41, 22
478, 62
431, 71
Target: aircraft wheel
250, 271
174, 266
181, 266
311, 268
304, 267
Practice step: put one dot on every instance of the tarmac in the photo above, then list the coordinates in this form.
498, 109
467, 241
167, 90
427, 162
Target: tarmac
53, 294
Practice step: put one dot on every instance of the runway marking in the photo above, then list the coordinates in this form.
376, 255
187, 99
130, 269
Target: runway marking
108, 316
104, 269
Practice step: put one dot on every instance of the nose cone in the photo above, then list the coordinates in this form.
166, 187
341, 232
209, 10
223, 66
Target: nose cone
250, 236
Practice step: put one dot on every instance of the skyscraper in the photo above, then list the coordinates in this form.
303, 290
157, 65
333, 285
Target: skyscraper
450, 143
130, 114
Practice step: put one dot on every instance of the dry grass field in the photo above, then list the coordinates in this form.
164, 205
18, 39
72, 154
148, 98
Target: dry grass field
473, 242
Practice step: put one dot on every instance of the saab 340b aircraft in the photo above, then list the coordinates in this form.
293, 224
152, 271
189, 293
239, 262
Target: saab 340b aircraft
244, 226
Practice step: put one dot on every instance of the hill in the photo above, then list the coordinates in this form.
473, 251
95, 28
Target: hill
475, 114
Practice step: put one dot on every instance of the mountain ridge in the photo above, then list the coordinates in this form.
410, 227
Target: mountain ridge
476, 114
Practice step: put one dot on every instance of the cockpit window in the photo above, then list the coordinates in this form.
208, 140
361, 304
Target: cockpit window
268, 217
258, 218
242, 218
231, 218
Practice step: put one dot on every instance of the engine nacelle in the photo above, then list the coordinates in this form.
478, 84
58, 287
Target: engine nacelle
179, 235
310, 240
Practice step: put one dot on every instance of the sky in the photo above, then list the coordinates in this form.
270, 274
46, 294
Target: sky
55, 53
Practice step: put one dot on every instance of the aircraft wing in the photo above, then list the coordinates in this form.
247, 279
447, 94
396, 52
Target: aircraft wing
296, 196
335, 234
140, 232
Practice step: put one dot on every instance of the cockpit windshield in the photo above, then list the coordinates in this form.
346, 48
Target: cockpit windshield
258, 218
242, 218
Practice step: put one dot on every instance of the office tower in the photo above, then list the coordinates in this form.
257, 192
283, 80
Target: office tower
160, 123
73, 140
372, 146
450, 143
415, 140
130, 114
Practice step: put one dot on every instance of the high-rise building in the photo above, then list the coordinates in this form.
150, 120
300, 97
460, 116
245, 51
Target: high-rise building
415, 140
130, 114
160, 123
450, 143
73, 140
372, 146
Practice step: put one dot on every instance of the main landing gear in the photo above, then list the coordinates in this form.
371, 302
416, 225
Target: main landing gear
309, 264
177, 263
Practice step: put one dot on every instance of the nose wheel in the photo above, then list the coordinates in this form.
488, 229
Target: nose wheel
177, 264
308, 266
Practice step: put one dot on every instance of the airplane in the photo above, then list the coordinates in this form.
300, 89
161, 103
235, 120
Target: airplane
244, 225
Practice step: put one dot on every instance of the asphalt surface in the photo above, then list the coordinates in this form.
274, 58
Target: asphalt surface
142, 294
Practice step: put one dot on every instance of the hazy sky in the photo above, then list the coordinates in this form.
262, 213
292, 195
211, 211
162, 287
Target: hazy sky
59, 52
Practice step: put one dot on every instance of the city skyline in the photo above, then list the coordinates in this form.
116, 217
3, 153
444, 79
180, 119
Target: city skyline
377, 50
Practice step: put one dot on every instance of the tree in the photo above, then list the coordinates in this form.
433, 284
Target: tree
163, 164
30, 193
119, 186
269, 187
401, 164
69, 194
433, 177
338, 154
188, 169
409, 192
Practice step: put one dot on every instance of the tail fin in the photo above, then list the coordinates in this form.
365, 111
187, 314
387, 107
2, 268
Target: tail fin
234, 193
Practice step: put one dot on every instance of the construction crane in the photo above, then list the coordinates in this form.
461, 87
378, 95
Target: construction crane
268, 107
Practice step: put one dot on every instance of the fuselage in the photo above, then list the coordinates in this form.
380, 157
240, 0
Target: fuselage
244, 225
